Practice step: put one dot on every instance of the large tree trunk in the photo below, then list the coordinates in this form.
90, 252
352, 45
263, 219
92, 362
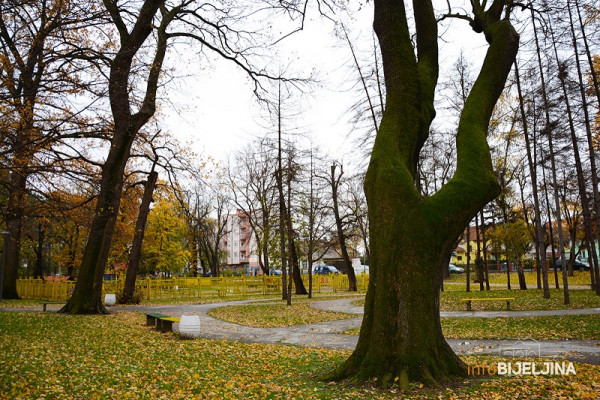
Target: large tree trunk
138, 239
14, 224
412, 236
87, 296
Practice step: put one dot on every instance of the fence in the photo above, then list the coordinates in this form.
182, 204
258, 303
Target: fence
189, 287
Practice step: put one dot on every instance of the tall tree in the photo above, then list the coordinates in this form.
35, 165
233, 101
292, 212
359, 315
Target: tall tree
549, 133
40, 43
412, 237
595, 270
86, 297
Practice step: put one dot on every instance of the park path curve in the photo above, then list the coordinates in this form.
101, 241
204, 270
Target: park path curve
329, 334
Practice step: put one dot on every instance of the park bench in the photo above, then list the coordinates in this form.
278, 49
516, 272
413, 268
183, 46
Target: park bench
162, 322
45, 303
507, 299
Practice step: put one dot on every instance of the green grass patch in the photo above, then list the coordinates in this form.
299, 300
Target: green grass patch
525, 300
275, 315
47, 355
539, 328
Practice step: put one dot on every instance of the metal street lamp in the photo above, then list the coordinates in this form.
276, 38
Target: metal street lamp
5, 237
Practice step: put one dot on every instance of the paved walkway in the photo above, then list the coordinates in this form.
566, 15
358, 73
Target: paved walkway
328, 334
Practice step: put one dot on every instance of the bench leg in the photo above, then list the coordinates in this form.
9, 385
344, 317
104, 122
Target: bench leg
469, 305
507, 305
167, 326
150, 321
44, 307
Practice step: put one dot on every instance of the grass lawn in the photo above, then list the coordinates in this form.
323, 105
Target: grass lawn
46, 355
579, 278
273, 315
538, 328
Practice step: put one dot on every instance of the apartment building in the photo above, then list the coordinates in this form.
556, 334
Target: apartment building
240, 244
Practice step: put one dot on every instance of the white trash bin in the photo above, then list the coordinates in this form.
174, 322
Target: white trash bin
110, 299
189, 326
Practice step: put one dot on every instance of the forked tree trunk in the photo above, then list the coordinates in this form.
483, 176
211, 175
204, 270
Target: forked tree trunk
87, 295
412, 236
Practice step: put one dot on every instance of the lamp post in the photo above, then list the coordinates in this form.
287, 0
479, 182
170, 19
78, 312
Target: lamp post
5, 237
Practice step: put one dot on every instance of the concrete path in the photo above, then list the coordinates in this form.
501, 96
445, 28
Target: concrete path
328, 334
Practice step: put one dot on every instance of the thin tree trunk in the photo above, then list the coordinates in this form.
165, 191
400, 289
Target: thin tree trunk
539, 236
285, 294
469, 258
39, 254
550, 228
138, 239
595, 268
479, 260
335, 181
485, 260
551, 150
294, 264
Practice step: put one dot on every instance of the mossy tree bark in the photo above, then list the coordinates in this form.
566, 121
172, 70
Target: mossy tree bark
412, 236
87, 296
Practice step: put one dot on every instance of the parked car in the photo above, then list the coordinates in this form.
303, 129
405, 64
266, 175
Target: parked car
326, 270
275, 272
453, 269
581, 266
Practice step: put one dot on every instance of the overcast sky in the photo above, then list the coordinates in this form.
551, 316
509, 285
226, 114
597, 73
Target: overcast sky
214, 108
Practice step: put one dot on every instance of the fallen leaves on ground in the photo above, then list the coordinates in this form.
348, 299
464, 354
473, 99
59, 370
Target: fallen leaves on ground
48, 355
